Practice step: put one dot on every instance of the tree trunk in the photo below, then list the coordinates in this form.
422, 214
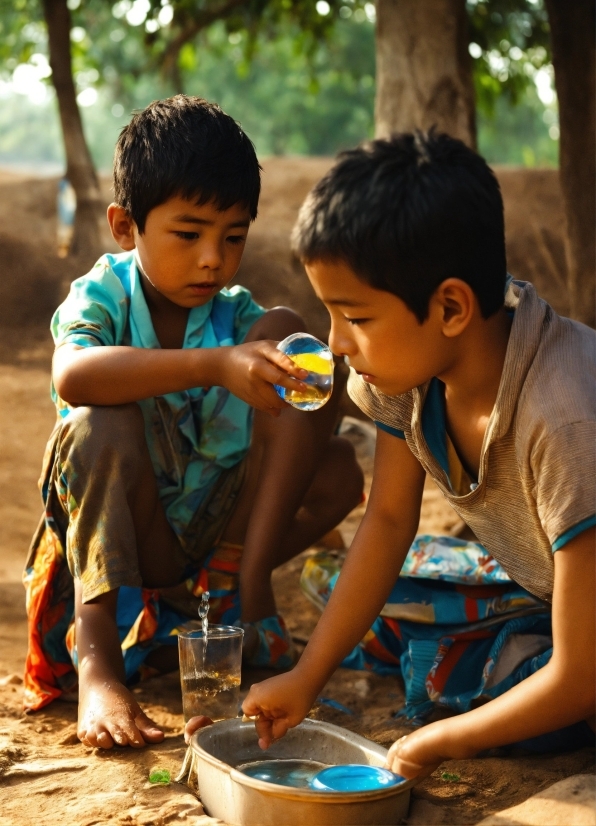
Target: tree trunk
572, 24
79, 166
424, 72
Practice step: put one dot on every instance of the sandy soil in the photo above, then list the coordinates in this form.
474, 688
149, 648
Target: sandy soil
46, 775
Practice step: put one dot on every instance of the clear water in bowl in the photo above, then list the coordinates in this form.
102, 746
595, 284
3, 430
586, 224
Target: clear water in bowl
295, 773
354, 777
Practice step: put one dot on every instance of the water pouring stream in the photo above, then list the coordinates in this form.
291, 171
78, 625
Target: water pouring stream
203, 611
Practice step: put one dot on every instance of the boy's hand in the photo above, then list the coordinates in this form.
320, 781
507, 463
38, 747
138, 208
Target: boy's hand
279, 704
194, 724
250, 370
417, 754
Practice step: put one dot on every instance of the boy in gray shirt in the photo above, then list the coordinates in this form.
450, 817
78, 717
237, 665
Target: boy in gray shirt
403, 241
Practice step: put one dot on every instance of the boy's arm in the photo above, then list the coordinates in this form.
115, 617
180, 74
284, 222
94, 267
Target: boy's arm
368, 575
106, 375
561, 693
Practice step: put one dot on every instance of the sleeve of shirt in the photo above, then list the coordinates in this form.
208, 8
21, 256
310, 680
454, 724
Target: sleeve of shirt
233, 314
564, 469
393, 431
247, 313
391, 413
94, 312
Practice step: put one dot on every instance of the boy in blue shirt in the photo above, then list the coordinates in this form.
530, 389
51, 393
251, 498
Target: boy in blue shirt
474, 380
157, 485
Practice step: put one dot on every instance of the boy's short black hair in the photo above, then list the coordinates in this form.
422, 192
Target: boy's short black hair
407, 213
188, 147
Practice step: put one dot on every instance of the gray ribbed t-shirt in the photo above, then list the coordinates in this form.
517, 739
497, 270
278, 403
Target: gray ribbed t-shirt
537, 480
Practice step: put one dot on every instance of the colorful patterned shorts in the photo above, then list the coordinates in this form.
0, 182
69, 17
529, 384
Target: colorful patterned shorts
87, 532
456, 628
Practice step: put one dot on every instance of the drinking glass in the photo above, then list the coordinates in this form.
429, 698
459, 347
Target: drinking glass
210, 675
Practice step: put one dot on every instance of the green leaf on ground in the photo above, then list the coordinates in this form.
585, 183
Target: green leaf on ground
450, 778
160, 776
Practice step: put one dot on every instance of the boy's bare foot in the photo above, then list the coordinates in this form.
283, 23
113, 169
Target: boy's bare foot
109, 715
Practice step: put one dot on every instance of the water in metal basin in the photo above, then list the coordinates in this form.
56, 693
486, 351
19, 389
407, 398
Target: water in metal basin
296, 773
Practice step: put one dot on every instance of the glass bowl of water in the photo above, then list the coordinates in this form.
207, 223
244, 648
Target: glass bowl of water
308, 352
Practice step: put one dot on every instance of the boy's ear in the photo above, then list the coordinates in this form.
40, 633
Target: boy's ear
122, 227
457, 303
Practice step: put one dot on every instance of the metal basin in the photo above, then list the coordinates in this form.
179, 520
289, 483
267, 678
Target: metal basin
240, 800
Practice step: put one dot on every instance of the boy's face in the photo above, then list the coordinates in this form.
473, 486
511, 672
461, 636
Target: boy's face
187, 252
382, 338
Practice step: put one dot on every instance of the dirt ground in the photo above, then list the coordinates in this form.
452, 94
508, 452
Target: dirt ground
46, 775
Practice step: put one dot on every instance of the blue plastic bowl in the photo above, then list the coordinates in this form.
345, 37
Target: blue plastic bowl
354, 778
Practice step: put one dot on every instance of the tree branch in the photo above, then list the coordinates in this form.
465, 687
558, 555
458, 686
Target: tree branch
191, 28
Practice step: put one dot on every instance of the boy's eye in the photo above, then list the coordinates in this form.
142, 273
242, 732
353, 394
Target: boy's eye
187, 236
236, 239
356, 320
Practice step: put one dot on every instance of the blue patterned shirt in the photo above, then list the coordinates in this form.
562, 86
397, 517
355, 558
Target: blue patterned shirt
192, 435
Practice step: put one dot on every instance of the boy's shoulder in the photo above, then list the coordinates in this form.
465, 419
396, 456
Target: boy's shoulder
234, 295
112, 271
97, 306
558, 392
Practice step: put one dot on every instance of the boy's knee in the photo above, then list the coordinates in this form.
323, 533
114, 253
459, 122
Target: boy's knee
276, 324
120, 428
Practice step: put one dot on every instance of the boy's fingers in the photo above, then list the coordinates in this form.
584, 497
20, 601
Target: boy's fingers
267, 405
194, 724
270, 351
290, 383
249, 707
265, 398
280, 727
269, 730
271, 374
270, 396
287, 365
399, 764
411, 770
403, 767
264, 727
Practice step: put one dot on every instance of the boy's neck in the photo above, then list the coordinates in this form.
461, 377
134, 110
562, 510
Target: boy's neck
472, 384
169, 320
474, 375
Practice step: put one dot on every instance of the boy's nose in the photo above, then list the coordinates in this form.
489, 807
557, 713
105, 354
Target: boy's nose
210, 257
339, 344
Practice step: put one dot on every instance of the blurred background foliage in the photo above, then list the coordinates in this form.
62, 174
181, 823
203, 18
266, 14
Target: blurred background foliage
298, 76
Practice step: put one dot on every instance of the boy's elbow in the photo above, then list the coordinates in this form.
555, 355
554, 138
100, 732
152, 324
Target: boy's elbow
586, 701
583, 693
67, 376
67, 386
583, 700
577, 683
